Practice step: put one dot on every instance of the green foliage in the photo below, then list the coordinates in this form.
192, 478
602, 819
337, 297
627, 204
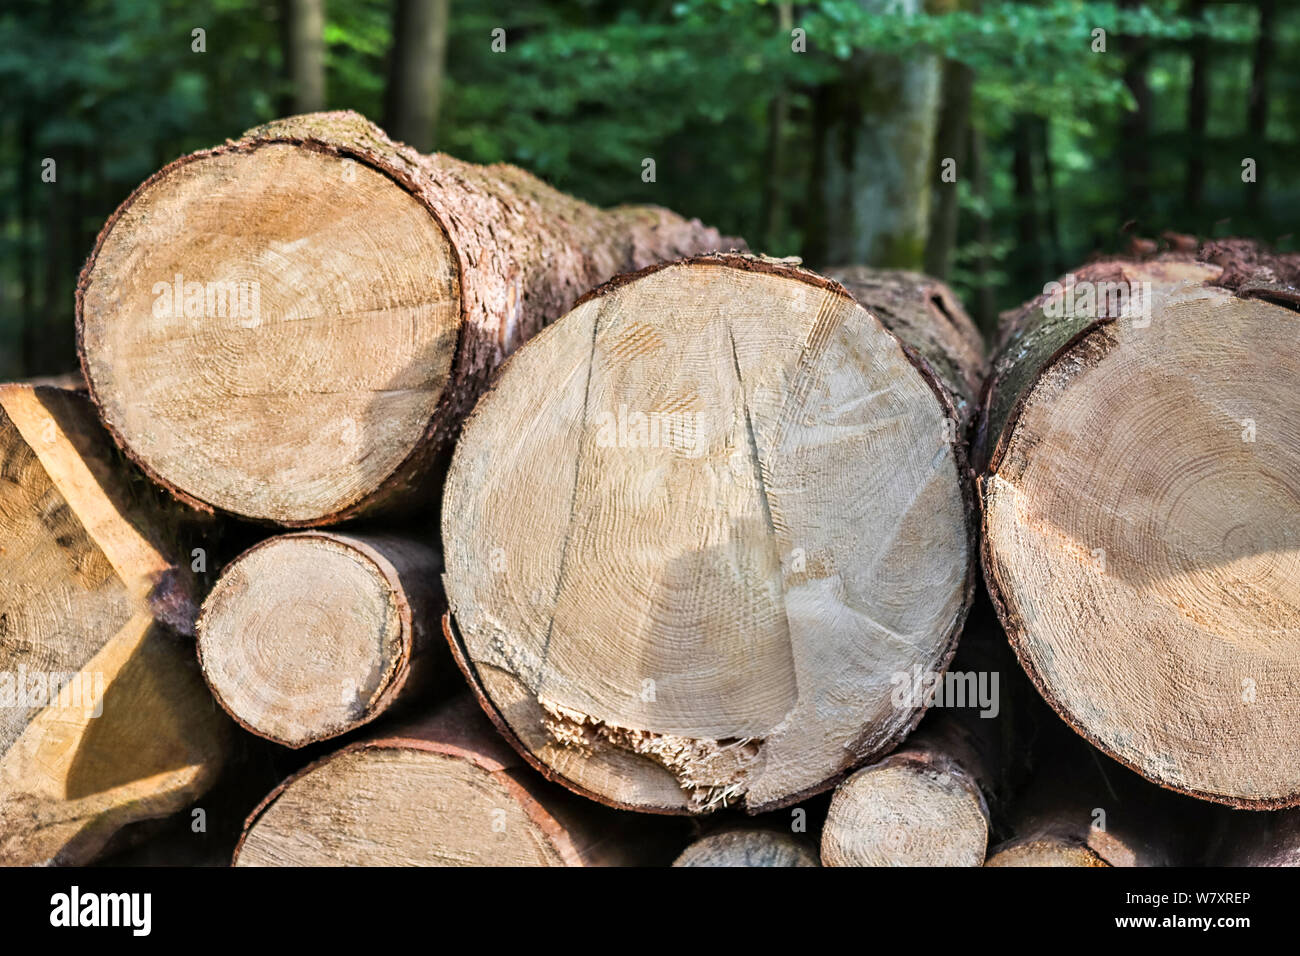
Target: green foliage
587, 89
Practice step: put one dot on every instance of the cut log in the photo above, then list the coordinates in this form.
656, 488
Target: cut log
1080, 809
1068, 836
309, 635
1141, 535
748, 847
1061, 845
289, 327
923, 805
442, 792
696, 529
931, 802
104, 719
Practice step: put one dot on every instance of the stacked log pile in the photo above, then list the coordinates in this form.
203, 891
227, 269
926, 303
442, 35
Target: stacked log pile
642, 526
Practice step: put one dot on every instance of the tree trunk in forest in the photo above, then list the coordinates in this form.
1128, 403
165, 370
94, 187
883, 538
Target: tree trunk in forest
1043, 128
1140, 468
302, 23
442, 791
748, 847
1135, 129
416, 65
951, 142
307, 636
734, 474
1030, 259
774, 182
1257, 108
311, 310
1198, 112
873, 160
49, 353
986, 312
30, 176
104, 720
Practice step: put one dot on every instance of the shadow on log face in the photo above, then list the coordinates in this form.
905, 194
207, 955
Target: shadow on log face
113, 725
1181, 476
150, 712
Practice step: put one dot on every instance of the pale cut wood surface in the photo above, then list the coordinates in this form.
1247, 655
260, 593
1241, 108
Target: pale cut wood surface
389, 285
92, 596
442, 791
1142, 534
307, 636
917, 807
711, 614
934, 800
929, 319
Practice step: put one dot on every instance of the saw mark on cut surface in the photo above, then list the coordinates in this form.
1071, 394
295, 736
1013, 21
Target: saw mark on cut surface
810, 357
573, 504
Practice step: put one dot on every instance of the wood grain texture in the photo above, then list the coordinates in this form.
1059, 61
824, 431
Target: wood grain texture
442, 791
387, 286
745, 513
923, 805
930, 320
104, 719
309, 635
1141, 533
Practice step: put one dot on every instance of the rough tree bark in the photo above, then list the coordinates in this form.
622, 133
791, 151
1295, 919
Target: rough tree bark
307, 636
289, 327
104, 720
1140, 475
445, 791
746, 511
